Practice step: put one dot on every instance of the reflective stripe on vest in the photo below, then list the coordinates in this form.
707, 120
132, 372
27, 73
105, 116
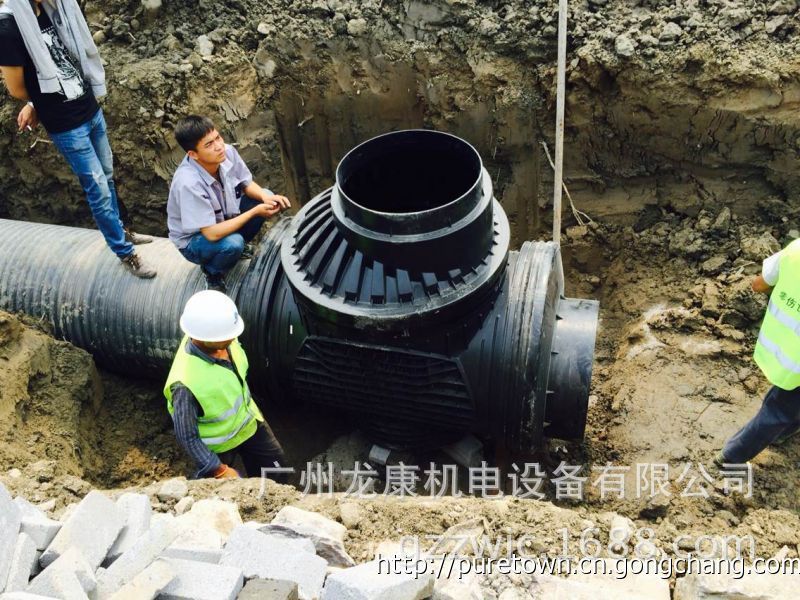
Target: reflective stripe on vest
217, 441
786, 362
783, 318
777, 351
229, 413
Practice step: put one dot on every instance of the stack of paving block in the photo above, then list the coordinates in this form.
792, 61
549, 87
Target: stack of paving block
121, 550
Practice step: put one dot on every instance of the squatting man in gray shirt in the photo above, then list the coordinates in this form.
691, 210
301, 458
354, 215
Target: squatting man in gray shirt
214, 206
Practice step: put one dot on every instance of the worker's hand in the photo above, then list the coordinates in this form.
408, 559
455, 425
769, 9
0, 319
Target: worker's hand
276, 200
266, 210
226, 472
760, 285
27, 117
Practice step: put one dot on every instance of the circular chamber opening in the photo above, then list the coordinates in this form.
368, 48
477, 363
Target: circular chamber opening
409, 171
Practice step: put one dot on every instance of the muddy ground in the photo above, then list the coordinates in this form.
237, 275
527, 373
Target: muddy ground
682, 146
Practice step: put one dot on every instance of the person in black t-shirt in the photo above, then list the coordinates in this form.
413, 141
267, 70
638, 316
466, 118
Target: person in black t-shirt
71, 116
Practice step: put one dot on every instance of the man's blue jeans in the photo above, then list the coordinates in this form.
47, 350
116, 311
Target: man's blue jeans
219, 257
88, 153
778, 416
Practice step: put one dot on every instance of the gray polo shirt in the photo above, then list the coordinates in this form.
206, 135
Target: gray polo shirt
198, 200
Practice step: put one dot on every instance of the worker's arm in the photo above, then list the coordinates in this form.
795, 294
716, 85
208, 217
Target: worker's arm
256, 192
15, 82
184, 417
197, 212
218, 231
770, 271
760, 285
243, 179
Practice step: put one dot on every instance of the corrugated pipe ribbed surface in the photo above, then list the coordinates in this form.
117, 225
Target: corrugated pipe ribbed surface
392, 296
70, 279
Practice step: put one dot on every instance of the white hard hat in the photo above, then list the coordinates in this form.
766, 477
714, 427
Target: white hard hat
211, 316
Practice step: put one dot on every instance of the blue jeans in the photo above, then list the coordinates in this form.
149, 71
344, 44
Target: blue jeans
217, 258
778, 416
88, 153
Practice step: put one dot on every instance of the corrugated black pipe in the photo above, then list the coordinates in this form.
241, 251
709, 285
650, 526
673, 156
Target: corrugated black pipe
70, 279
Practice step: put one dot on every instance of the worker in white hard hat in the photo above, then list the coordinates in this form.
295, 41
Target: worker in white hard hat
207, 394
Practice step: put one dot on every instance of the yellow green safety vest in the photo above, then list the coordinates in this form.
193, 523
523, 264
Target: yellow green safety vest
778, 348
229, 412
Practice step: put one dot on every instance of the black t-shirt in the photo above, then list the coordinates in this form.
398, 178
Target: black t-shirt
56, 113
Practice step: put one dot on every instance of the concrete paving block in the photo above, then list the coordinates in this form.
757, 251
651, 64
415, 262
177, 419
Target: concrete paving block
147, 584
366, 582
219, 515
310, 522
750, 587
453, 589
136, 559
196, 541
269, 589
41, 532
67, 511
10, 521
513, 593
203, 531
161, 517
138, 511
298, 543
201, 581
549, 586
28, 510
173, 489
254, 524
66, 586
183, 505
327, 534
206, 555
35, 522
331, 550
52, 579
92, 528
271, 557
452, 586
22, 564
37, 566
645, 586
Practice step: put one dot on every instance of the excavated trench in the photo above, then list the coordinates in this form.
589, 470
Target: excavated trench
684, 159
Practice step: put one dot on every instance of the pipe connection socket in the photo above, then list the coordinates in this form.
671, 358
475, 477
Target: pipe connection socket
413, 314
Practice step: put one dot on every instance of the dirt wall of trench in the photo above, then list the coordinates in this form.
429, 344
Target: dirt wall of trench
653, 117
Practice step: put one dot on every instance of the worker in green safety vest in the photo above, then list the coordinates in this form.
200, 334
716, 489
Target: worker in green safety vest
778, 356
214, 414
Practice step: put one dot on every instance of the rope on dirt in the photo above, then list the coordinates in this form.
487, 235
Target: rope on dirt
561, 75
37, 140
578, 214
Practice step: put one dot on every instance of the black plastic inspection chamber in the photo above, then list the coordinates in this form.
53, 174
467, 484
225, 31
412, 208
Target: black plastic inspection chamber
392, 296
